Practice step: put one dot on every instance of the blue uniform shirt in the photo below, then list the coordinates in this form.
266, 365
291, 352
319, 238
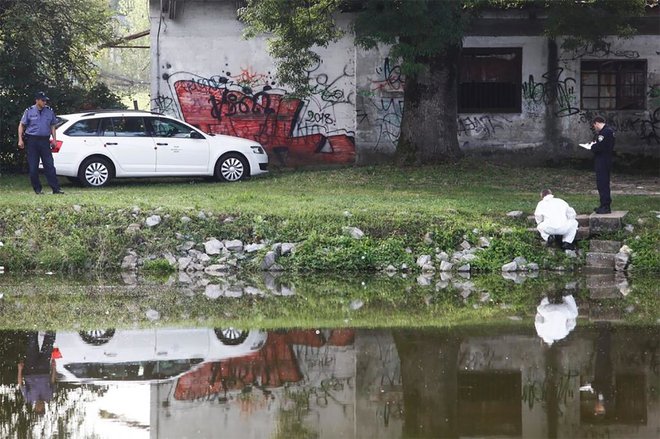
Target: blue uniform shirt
604, 142
38, 122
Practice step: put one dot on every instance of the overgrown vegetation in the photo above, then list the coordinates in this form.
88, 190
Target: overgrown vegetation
403, 215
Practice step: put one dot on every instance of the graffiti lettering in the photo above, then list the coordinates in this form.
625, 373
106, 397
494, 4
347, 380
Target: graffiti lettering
319, 117
535, 391
483, 127
646, 125
392, 79
601, 50
554, 89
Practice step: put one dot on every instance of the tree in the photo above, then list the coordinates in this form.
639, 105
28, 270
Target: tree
48, 45
426, 36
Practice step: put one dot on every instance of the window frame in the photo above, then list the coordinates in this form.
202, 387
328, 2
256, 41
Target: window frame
619, 68
517, 79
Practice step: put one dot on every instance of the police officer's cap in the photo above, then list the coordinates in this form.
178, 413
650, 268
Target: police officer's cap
41, 95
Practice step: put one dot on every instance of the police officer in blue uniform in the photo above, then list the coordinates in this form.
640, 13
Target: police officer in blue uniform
603, 150
38, 126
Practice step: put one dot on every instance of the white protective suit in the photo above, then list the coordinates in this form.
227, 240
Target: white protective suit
555, 217
554, 321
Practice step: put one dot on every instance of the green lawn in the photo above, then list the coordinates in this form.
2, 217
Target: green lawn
472, 188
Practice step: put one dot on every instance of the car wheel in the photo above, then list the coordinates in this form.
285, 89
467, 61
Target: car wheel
231, 336
232, 167
97, 337
95, 172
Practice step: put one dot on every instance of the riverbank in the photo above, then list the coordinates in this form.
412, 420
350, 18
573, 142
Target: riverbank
369, 219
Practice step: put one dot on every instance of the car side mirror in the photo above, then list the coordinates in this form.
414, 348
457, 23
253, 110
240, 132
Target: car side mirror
195, 135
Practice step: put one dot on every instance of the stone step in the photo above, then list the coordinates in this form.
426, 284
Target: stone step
600, 260
606, 285
583, 220
602, 246
609, 222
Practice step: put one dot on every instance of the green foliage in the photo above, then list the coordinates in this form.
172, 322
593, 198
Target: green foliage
589, 21
48, 46
158, 266
646, 251
343, 253
297, 26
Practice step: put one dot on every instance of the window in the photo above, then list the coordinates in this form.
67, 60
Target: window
169, 128
613, 85
87, 127
490, 80
124, 127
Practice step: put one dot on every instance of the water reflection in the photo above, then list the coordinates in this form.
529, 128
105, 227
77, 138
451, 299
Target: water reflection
602, 380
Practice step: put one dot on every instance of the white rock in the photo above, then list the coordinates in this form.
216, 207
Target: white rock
511, 266
213, 247
234, 245
446, 266
152, 314
356, 304
423, 260
212, 291
353, 232
77, 208
251, 248
152, 221
185, 219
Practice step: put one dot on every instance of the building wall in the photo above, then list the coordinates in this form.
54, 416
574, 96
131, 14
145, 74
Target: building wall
206, 74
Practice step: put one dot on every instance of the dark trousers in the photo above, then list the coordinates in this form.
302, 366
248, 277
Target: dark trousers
603, 167
39, 148
37, 361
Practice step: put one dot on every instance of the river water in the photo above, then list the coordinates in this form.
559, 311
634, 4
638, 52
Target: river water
571, 369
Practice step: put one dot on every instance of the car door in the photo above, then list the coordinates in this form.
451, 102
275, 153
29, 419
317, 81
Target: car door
180, 149
130, 145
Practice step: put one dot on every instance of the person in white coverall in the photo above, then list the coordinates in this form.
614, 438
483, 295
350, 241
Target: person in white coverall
554, 321
555, 217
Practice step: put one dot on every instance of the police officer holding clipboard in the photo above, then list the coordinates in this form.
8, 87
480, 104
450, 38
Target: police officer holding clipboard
38, 126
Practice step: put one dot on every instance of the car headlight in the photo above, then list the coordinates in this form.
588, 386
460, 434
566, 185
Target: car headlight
257, 149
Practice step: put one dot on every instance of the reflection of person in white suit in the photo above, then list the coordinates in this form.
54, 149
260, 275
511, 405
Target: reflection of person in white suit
555, 217
554, 321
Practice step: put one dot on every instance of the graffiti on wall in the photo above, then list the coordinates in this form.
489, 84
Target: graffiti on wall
293, 131
482, 126
598, 50
552, 90
645, 124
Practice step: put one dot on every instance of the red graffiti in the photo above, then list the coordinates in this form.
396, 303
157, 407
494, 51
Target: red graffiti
267, 117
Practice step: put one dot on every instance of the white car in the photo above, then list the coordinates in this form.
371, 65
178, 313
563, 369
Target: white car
147, 354
94, 147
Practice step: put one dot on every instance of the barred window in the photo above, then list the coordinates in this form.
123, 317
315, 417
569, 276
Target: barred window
490, 80
613, 85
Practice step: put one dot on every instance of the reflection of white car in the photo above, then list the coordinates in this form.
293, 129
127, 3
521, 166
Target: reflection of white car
94, 147
148, 354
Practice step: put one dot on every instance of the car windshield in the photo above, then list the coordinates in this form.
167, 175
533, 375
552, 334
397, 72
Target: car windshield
131, 371
60, 121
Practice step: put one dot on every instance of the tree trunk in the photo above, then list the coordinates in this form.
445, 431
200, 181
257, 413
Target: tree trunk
428, 127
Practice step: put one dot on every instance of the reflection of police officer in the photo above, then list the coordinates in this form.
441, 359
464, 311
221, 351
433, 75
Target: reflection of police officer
603, 149
36, 373
38, 126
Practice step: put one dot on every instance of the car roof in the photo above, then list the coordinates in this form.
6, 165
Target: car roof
109, 112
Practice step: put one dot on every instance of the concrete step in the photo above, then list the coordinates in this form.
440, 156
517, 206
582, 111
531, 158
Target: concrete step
583, 220
610, 222
601, 246
600, 260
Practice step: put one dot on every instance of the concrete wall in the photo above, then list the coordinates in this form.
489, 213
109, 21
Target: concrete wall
205, 73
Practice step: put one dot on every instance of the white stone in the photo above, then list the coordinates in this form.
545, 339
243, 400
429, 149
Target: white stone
152, 221
423, 260
234, 245
213, 247
446, 266
152, 314
511, 266
353, 232
213, 291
